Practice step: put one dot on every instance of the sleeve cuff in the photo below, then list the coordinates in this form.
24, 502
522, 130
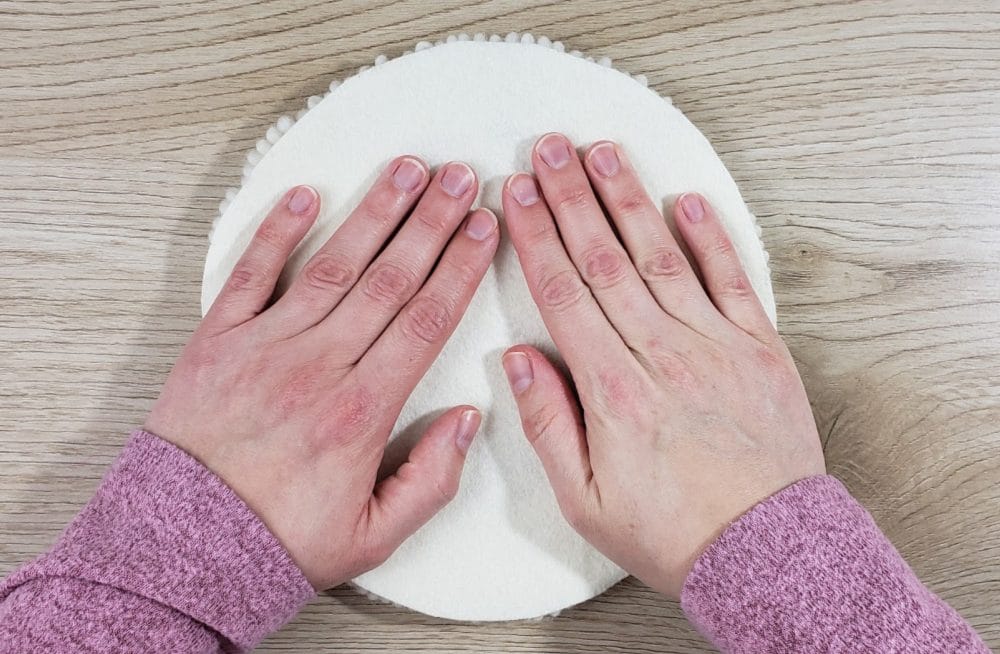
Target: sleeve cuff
808, 570
164, 527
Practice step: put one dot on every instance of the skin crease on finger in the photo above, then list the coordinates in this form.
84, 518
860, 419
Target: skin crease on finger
678, 435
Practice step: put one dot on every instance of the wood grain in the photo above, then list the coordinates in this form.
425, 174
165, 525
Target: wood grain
865, 135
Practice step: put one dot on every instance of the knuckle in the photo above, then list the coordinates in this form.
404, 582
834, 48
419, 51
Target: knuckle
675, 368
663, 264
738, 286
426, 320
435, 221
270, 235
376, 211
446, 490
561, 290
632, 202
246, 277
572, 200
721, 246
389, 283
540, 422
327, 273
604, 266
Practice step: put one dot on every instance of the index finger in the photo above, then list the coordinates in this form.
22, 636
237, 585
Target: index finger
576, 323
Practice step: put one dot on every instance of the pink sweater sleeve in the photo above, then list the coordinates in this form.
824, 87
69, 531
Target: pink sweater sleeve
809, 571
164, 558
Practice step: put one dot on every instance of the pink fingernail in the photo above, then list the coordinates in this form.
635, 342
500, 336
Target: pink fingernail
468, 425
457, 179
302, 200
554, 150
524, 190
692, 206
517, 365
408, 176
481, 224
604, 159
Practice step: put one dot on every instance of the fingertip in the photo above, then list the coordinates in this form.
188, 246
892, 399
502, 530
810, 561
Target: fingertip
409, 173
468, 426
302, 200
519, 370
522, 188
692, 206
481, 225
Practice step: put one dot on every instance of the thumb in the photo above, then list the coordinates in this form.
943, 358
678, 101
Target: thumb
425, 483
553, 423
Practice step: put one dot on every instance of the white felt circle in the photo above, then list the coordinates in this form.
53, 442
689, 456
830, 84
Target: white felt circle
501, 550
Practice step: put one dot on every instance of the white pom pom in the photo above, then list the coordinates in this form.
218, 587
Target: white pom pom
363, 69
247, 169
512, 37
558, 46
381, 59
301, 113
438, 43
263, 146
407, 52
231, 193
544, 40
575, 53
423, 45
334, 84
272, 134
254, 157
642, 80
451, 38
495, 38
527, 38
480, 37
767, 256
313, 101
284, 124
604, 61
224, 206
464, 37
757, 228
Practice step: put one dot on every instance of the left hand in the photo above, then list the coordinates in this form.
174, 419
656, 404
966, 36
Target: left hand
292, 404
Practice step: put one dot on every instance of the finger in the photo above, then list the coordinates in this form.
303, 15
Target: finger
725, 279
553, 424
591, 243
401, 269
574, 320
416, 336
423, 485
251, 284
334, 269
657, 255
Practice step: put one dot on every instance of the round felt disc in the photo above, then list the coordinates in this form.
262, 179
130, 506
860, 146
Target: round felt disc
501, 550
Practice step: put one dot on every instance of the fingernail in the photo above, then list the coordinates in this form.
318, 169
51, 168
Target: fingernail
604, 159
481, 224
524, 190
468, 425
554, 150
693, 209
302, 200
457, 179
408, 175
517, 365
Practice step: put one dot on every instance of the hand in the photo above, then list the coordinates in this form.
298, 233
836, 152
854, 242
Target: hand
292, 404
690, 408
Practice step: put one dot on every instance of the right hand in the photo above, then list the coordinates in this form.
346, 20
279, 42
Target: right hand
690, 408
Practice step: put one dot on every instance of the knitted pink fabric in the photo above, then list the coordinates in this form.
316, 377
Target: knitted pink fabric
167, 558
808, 571
164, 558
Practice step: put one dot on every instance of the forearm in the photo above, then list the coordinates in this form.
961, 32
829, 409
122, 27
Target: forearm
164, 551
809, 571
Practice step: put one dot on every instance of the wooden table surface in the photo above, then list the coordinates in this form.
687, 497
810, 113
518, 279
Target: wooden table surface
865, 135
